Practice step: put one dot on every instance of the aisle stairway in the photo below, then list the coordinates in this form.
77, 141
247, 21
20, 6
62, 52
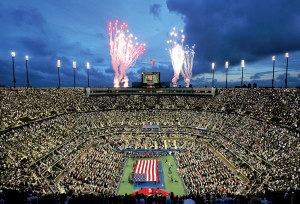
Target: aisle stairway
155, 144
165, 143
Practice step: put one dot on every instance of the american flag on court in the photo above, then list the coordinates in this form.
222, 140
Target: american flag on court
145, 170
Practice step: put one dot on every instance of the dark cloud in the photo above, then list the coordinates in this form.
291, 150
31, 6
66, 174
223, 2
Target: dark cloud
234, 30
37, 47
28, 17
86, 52
256, 76
99, 60
133, 77
291, 78
155, 10
165, 73
109, 70
98, 78
260, 75
5, 73
293, 81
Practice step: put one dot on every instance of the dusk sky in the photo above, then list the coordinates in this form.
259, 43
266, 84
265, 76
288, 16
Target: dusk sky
76, 30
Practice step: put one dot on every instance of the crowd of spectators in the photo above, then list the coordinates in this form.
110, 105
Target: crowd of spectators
282, 104
97, 172
69, 134
25, 104
20, 105
268, 148
203, 172
278, 105
278, 197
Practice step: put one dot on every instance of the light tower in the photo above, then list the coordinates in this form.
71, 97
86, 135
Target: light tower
213, 70
286, 70
273, 59
226, 67
58, 67
13, 54
242, 65
26, 57
74, 67
88, 71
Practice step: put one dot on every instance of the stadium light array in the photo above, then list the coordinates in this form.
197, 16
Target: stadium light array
213, 69
13, 54
226, 67
58, 64
242, 65
273, 59
27, 58
74, 67
286, 70
58, 67
287, 55
88, 71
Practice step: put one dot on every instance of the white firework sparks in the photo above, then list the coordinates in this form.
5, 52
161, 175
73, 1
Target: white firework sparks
187, 71
176, 53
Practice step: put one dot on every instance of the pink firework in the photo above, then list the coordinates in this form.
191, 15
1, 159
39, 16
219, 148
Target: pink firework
124, 51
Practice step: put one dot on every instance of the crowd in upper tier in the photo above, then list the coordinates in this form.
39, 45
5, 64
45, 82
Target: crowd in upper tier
20, 105
70, 141
280, 105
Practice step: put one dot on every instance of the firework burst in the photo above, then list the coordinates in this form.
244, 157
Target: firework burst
188, 62
124, 51
176, 53
182, 58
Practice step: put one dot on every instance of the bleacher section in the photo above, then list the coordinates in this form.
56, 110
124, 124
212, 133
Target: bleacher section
249, 139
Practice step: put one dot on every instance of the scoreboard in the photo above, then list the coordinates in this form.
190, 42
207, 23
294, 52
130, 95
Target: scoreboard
150, 79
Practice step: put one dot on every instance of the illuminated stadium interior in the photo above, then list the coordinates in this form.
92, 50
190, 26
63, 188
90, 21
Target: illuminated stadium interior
235, 143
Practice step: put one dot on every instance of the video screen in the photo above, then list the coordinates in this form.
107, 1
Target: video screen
150, 78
